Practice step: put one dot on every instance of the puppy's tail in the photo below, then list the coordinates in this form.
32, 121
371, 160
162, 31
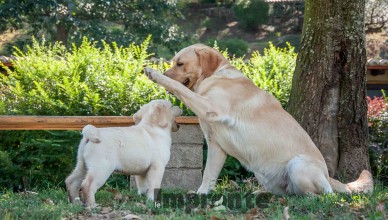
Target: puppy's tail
90, 133
364, 184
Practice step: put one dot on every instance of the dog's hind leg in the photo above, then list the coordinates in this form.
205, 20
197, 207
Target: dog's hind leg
307, 177
73, 183
95, 178
74, 180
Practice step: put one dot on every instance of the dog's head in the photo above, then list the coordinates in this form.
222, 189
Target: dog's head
195, 63
159, 113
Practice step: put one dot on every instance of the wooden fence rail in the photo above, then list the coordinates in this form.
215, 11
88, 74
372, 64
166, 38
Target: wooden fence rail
8, 122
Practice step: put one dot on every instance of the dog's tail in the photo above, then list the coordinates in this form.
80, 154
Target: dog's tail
364, 184
90, 133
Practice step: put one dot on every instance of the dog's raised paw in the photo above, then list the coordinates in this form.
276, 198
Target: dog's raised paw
149, 73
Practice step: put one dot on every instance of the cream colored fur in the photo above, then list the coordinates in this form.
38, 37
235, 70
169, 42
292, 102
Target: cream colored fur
142, 150
241, 120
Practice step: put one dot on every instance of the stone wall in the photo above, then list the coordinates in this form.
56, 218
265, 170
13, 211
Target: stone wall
184, 168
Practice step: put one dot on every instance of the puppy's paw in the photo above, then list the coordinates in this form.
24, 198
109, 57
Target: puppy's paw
77, 201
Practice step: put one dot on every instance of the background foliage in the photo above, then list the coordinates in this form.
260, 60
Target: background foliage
378, 136
376, 16
120, 21
234, 46
51, 80
251, 13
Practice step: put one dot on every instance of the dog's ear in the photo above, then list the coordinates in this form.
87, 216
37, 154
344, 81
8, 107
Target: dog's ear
176, 111
209, 60
157, 115
138, 116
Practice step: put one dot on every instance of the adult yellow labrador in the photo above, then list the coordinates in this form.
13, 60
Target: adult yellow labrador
240, 119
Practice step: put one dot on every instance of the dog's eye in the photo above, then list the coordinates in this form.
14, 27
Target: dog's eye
179, 64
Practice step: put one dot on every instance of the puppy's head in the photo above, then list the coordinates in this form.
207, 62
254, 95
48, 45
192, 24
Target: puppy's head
159, 113
195, 63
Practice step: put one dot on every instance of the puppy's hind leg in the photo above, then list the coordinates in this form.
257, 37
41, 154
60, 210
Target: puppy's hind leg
95, 178
74, 180
73, 183
307, 177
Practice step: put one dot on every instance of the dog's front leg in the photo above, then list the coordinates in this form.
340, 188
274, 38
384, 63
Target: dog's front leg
215, 161
141, 184
154, 178
201, 106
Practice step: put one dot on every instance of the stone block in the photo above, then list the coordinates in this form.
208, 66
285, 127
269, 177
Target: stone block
186, 156
184, 170
189, 179
188, 134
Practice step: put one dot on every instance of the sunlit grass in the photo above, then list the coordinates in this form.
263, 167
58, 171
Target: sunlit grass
52, 204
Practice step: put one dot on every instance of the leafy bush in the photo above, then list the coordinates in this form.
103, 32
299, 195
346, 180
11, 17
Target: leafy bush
122, 21
50, 80
208, 1
378, 136
234, 46
287, 16
271, 71
293, 40
39, 158
7, 168
251, 13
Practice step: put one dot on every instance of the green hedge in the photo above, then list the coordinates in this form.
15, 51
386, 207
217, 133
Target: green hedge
48, 79
234, 46
378, 136
251, 13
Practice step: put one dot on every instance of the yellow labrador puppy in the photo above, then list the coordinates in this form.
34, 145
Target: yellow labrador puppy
240, 119
142, 150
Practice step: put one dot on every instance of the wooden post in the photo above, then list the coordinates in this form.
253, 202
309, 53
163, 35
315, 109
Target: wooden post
8, 122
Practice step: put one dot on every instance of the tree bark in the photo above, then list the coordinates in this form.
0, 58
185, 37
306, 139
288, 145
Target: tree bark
328, 95
61, 34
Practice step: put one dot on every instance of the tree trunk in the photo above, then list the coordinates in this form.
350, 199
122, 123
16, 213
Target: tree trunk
328, 95
62, 33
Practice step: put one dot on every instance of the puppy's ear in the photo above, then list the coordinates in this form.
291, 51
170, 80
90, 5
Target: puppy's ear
157, 115
176, 111
138, 116
209, 60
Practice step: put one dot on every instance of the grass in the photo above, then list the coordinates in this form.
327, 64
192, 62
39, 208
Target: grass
118, 203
